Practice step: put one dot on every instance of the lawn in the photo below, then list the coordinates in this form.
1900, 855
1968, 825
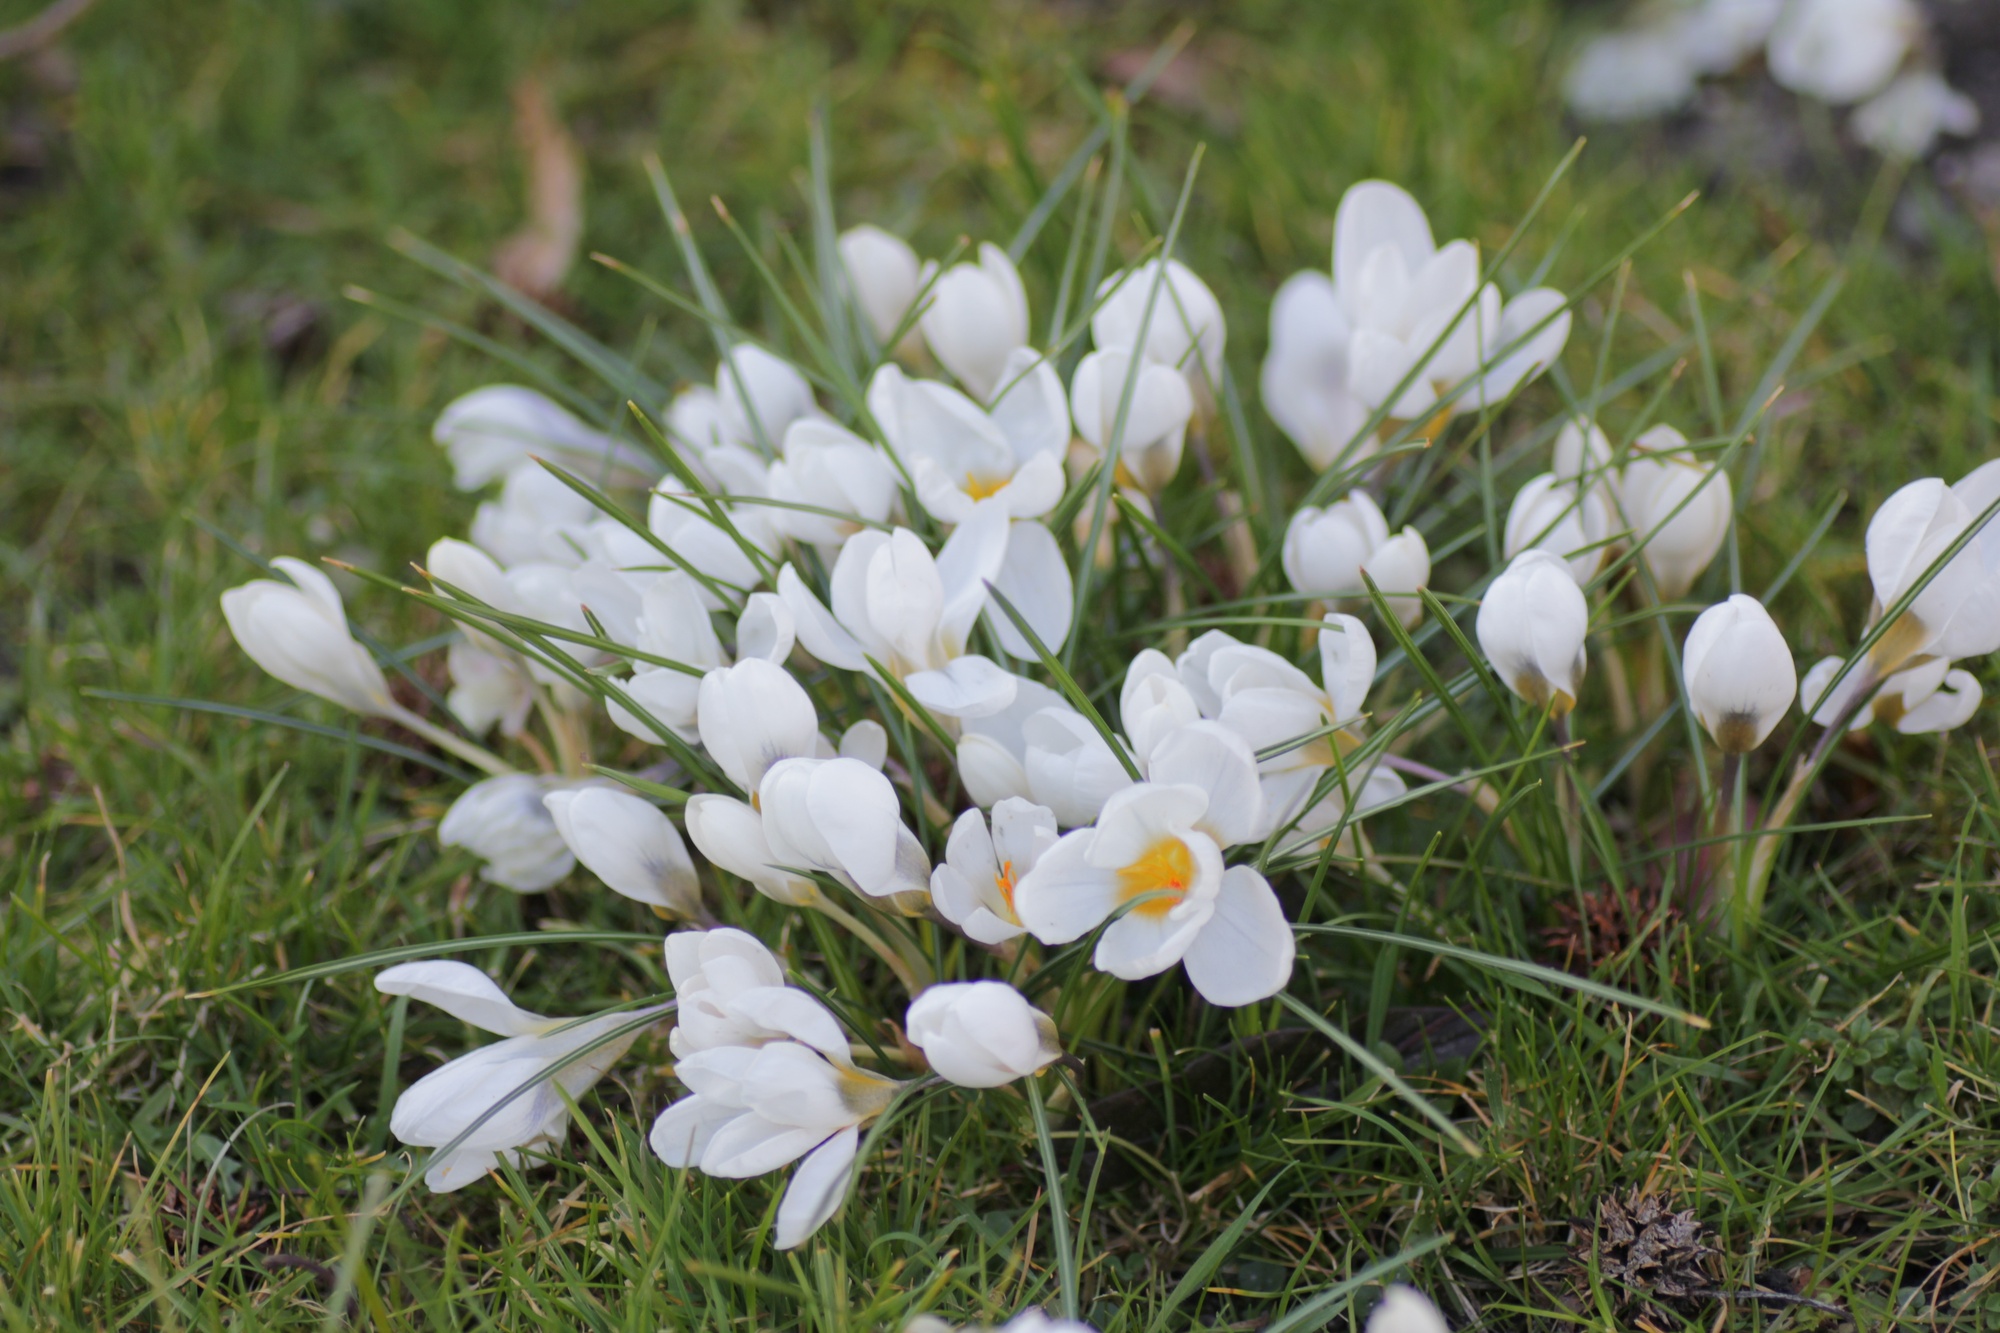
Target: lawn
213, 346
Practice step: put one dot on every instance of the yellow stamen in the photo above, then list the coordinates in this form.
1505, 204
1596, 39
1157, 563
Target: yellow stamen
1004, 881
980, 487
1158, 880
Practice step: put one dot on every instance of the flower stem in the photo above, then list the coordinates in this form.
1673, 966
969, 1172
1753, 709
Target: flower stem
912, 973
478, 756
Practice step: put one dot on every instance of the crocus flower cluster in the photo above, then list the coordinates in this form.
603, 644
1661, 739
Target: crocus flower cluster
822, 649
1841, 52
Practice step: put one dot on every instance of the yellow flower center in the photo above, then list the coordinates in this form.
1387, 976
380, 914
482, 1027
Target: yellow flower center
981, 487
1157, 881
1004, 881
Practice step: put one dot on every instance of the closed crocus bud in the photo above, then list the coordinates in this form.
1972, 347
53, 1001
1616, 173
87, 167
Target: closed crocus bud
977, 314
1405, 1310
1679, 508
626, 842
981, 1034
1840, 51
1550, 515
1186, 331
1739, 672
751, 716
1630, 75
882, 271
1149, 450
1401, 568
503, 822
1532, 624
298, 632
1325, 548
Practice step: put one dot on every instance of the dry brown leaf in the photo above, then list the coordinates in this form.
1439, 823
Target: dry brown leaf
534, 259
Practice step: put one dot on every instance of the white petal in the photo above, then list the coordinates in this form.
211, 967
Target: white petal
1244, 953
817, 1188
1033, 577
1210, 756
462, 991
970, 686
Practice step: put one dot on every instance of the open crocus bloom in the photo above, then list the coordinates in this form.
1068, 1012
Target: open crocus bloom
1304, 378
1957, 612
974, 887
960, 454
1309, 728
780, 1088
829, 467
492, 431
445, 1102
1403, 296
1935, 696
912, 613
1154, 861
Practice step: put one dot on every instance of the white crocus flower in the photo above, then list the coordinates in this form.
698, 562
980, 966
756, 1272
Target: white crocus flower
730, 833
883, 276
759, 395
1071, 768
1678, 508
961, 454
993, 750
1633, 74
1031, 1320
1400, 292
686, 526
503, 822
628, 843
1154, 860
1957, 613
1328, 551
1404, 1309
1304, 380
1325, 548
1310, 726
753, 715
756, 1107
673, 625
1935, 696
1401, 568
445, 1102
1187, 330
1840, 51
538, 518
694, 419
1154, 703
973, 886
1905, 119
912, 612
298, 632
828, 466
1148, 452
709, 970
981, 1034
977, 314
1532, 625
493, 431
841, 817
1549, 514
1739, 673
487, 689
